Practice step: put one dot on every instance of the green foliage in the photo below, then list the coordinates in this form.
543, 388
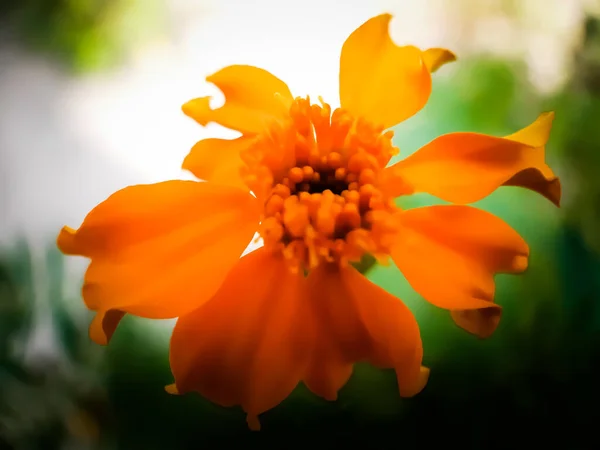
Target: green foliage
15, 295
54, 397
577, 138
85, 34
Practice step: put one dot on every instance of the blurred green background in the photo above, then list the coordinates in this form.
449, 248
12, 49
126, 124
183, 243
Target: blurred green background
83, 34
534, 383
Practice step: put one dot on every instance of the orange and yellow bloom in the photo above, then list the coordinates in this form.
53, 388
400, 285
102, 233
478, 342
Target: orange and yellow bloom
317, 185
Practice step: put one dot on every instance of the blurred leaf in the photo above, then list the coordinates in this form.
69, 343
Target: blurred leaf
16, 294
69, 332
577, 137
85, 34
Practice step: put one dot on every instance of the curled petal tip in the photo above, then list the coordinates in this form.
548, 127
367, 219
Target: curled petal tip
253, 422
552, 191
66, 240
545, 121
557, 195
543, 181
408, 390
211, 78
196, 109
550, 115
451, 55
423, 376
172, 389
434, 58
520, 263
104, 325
331, 397
186, 164
480, 322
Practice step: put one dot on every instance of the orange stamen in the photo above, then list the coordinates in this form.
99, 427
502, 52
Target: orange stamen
319, 173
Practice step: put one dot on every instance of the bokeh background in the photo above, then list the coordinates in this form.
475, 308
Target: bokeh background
90, 95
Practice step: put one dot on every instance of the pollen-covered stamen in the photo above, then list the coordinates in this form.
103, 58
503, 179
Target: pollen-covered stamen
318, 174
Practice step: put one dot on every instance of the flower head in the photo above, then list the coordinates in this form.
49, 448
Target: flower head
317, 185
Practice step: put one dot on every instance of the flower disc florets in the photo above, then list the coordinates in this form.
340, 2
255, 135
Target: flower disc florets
319, 174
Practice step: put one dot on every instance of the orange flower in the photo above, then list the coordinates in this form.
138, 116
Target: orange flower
316, 184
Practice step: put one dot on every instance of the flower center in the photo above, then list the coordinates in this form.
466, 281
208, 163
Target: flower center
319, 175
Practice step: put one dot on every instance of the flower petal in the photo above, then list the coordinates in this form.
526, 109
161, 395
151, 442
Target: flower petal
253, 96
218, 160
104, 324
434, 58
450, 253
466, 167
246, 345
541, 180
356, 320
159, 250
379, 80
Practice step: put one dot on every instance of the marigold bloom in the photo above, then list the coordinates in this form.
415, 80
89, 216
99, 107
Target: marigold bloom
251, 328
